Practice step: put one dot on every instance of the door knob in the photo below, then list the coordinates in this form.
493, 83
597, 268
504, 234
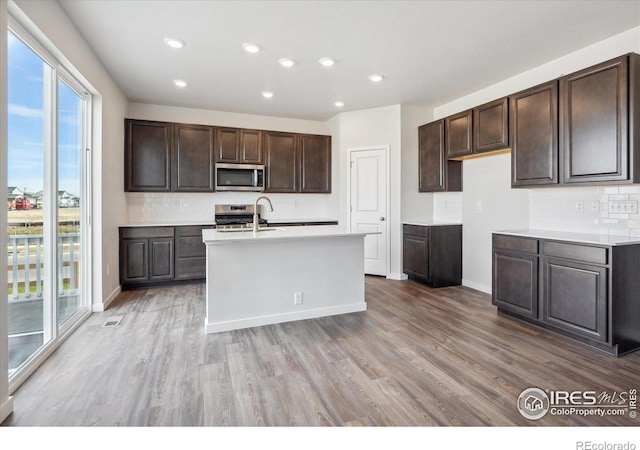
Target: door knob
381, 219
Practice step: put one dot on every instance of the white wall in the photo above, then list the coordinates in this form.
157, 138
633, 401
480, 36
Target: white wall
416, 206
372, 127
489, 204
486, 180
6, 405
175, 207
52, 26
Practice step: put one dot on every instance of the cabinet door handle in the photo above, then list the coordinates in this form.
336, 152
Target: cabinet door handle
381, 219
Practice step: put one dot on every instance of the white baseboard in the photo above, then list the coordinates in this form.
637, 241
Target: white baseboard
6, 408
217, 327
100, 307
476, 286
397, 276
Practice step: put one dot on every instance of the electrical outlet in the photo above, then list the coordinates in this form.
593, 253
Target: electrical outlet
479, 206
595, 206
580, 206
297, 298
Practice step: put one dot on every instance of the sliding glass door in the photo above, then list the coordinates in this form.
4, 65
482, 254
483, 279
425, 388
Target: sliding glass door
48, 163
29, 301
71, 152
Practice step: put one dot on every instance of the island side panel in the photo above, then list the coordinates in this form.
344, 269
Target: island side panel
253, 283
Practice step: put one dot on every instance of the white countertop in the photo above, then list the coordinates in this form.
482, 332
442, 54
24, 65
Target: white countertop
189, 223
308, 232
307, 219
430, 223
569, 236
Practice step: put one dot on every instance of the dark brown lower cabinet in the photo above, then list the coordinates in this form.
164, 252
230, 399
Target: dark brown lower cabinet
146, 255
575, 297
433, 254
191, 261
152, 256
583, 291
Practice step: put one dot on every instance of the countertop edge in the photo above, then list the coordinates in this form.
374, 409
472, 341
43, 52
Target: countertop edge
570, 236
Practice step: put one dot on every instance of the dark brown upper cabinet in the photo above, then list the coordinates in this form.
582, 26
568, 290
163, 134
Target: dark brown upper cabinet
164, 157
436, 173
595, 123
482, 129
236, 145
459, 134
147, 156
315, 164
534, 136
282, 161
297, 162
491, 126
193, 159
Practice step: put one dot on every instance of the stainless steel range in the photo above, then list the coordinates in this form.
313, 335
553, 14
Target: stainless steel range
236, 216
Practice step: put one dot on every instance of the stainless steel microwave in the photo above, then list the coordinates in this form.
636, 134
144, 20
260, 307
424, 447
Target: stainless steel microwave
239, 177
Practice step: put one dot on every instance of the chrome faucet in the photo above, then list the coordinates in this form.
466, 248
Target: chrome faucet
256, 219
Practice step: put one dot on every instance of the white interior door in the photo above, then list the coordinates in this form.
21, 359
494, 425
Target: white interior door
369, 205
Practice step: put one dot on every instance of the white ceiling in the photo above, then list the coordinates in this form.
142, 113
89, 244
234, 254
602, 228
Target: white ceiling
429, 52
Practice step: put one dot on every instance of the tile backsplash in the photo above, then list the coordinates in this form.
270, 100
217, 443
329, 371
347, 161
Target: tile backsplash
609, 210
447, 206
146, 208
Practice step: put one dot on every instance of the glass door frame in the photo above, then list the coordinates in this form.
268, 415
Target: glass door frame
85, 205
50, 213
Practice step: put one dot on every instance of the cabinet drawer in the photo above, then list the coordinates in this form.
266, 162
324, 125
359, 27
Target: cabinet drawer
517, 244
190, 246
195, 230
416, 230
146, 232
583, 253
191, 268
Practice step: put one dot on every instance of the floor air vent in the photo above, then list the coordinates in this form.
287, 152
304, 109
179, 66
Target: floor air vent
113, 321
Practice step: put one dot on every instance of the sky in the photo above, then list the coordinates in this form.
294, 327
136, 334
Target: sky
27, 73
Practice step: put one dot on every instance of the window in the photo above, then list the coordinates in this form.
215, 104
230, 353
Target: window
48, 167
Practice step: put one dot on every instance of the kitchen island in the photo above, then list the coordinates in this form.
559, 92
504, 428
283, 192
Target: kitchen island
280, 275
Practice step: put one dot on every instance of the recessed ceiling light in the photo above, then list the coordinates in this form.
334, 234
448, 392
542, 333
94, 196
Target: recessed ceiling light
339, 104
180, 83
267, 94
376, 78
287, 62
327, 62
251, 47
174, 42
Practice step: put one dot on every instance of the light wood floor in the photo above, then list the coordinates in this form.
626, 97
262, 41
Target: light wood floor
418, 356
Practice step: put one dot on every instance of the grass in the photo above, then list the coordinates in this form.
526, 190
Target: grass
33, 218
